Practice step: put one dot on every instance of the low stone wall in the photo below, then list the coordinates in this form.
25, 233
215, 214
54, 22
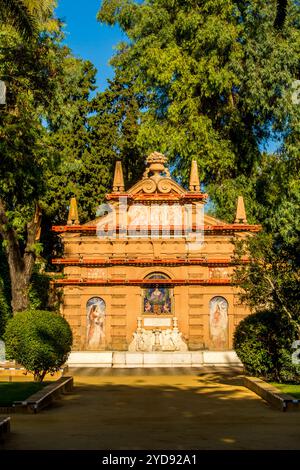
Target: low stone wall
117, 359
45, 397
4, 427
276, 398
41, 399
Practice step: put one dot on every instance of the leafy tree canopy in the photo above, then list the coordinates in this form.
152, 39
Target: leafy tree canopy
41, 76
217, 80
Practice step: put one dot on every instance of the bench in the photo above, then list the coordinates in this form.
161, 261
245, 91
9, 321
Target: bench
276, 398
45, 397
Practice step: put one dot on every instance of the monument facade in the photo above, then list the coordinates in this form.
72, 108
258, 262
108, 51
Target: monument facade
152, 272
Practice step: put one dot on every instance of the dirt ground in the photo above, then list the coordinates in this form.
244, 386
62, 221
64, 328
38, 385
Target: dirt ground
201, 411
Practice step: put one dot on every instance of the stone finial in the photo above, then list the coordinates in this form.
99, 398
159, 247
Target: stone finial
194, 177
240, 217
73, 212
118, 184
156, 166
155, 158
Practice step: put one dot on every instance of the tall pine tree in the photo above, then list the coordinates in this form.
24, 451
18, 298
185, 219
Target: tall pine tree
216, 77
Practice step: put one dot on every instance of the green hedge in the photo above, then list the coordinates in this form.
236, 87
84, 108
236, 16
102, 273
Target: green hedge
263, 342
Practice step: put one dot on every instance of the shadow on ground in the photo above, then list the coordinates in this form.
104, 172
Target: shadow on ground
203, 411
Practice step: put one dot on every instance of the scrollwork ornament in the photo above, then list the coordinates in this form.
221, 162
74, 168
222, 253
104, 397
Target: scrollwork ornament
164, 186
149, 186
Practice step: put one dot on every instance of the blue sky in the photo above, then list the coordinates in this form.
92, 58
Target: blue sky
87, 37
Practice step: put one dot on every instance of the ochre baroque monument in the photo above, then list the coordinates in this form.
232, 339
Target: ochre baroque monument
152, 272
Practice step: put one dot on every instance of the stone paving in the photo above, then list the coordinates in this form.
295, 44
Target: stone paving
207, 410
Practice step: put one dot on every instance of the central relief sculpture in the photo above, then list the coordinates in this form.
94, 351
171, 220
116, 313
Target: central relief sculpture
157, 304
157, 339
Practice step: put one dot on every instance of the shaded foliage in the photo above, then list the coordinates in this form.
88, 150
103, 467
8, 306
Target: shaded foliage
17, 13
280, 13
264, 343
5, 295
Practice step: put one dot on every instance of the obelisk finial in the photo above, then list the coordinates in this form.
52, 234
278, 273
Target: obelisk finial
73, 218
194, 177
240, 217
118, 184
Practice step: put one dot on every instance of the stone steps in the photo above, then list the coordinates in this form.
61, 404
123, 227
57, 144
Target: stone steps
4, 427
151, 371
119, 359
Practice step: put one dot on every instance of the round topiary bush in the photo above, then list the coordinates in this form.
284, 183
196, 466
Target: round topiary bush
38, 340
263, 342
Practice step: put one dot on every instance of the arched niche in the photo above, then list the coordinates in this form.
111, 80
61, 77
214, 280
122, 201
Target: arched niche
95, 333
218, 323
157, 297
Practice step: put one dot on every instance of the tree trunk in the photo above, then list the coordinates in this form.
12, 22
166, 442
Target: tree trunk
19, 289
39, 375
20, 264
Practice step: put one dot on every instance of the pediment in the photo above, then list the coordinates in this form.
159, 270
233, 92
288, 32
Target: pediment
209, 220
163, 186
156, 195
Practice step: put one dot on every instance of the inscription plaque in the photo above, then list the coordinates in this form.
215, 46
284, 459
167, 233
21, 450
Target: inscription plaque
157, 321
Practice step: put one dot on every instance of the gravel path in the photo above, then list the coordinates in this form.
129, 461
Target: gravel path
200, 411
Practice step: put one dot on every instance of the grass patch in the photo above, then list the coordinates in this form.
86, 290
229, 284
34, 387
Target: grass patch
17, 391
290, 389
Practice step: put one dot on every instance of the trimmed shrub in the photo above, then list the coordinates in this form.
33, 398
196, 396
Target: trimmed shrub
38, 340
263, 342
